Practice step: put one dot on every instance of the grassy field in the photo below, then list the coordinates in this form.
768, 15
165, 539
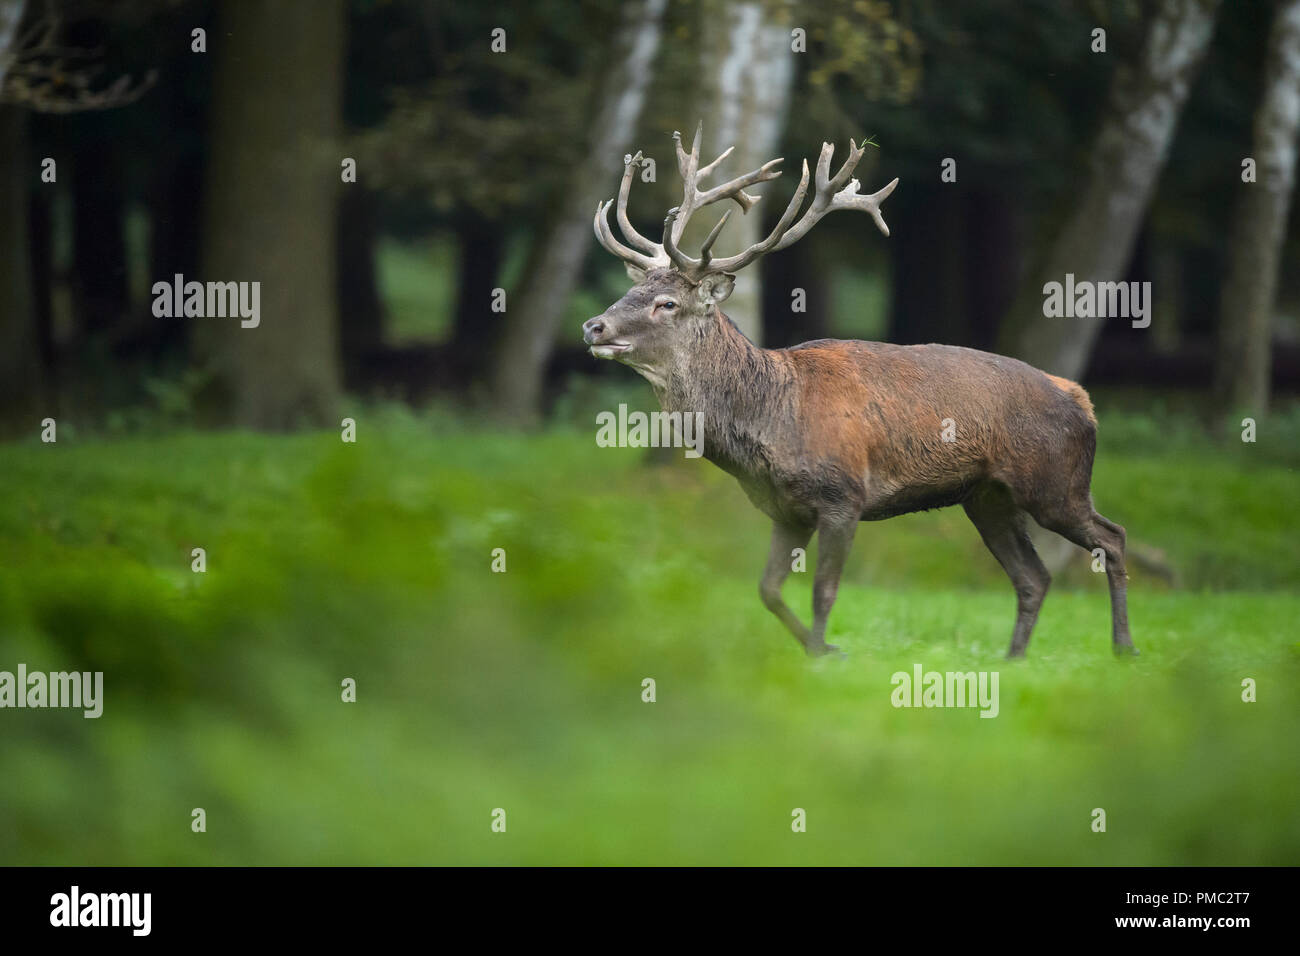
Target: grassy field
522, 690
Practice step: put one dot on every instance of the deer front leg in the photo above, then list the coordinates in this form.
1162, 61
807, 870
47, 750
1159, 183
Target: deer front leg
834, 541
779, 562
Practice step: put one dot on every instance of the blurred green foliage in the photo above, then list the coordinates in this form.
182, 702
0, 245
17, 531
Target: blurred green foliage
488, 133
866, 44
522, 690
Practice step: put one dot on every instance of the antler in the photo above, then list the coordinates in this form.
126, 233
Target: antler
831, 194
654, 255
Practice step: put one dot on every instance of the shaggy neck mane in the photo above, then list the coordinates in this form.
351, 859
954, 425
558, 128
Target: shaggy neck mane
722, 370
741, 389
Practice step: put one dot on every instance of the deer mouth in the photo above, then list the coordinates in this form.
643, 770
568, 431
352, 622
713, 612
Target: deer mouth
607, 350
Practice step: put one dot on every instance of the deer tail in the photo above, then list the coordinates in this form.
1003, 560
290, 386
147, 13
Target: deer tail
1076, 392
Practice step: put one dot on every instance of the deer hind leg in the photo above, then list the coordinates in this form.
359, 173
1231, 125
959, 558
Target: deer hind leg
1092, 531
1002, 525
834, 542
1096, 532
779, 563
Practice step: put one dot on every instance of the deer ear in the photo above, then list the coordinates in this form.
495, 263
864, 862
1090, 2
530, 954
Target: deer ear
633, 273
715, 288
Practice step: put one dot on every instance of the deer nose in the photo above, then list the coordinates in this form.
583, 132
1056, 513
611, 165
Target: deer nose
593, 329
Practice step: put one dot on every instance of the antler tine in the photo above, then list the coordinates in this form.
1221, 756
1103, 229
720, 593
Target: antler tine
705, 255
606, 239
693, 198
687, 163
828, 185
714, 165
840, 179
832, 194
735, 189
681, 260
824, 170
872, 203
630, 166
737, 262
691, 267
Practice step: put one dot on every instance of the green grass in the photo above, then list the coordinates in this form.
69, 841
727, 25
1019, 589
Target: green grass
522, 690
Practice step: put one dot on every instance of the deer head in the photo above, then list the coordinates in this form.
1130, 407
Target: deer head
675, 301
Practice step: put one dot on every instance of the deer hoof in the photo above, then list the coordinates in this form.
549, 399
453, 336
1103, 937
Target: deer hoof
827, 650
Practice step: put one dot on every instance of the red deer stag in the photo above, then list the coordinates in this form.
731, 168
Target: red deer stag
827, 434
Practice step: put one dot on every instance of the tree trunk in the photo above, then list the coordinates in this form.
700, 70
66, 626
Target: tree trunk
270, 211
21, 368
1259, 225
1096, 242
533, 313
748, 71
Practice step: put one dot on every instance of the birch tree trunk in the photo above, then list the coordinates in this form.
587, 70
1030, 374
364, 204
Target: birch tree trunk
534, 312
1132, 144
748, 71
1259, 225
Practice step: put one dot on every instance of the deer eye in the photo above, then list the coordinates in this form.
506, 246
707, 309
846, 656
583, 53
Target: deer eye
669, 305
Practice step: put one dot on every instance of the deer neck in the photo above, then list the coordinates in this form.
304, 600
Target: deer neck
737, 385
